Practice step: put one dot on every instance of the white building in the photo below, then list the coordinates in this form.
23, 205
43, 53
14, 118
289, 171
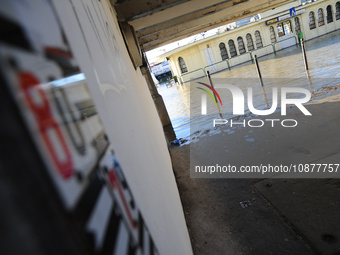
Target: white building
277, 29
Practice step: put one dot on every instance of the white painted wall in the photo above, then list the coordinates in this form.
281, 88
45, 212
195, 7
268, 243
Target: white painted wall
327, 27
129, 116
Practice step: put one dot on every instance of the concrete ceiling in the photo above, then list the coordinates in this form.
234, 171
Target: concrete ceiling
159, 22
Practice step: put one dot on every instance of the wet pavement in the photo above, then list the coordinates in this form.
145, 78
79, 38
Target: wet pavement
287, 65
286, 216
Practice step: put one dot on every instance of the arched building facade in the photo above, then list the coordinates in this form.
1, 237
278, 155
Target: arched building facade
276, 30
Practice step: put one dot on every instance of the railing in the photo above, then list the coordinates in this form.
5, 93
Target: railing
218, 66
198, 73
227, 64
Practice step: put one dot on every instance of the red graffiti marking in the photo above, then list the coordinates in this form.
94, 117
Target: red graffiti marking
116, 185
46, 122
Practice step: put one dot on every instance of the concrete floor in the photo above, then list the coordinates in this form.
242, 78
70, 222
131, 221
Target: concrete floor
287, 216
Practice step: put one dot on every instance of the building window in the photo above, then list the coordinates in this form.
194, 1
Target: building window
272, 35
232, 48
297, 25
329, 14
250, 43
280, 30
284, 28
241, 47
311, 21
182, 65
223, 50
258, 39
321, 20
337, 11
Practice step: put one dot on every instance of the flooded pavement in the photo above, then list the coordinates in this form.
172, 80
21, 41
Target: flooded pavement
285, 69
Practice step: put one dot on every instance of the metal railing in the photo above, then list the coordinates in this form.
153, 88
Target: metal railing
191, 72
213, 68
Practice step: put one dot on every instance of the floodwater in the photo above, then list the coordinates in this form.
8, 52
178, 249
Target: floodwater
286, 68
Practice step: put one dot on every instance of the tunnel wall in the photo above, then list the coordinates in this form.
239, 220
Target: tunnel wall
130, 118
102, 177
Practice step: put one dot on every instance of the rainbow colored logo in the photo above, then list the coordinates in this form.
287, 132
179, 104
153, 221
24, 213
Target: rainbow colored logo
208, 92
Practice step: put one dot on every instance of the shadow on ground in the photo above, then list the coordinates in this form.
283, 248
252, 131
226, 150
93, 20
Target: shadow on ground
287, 216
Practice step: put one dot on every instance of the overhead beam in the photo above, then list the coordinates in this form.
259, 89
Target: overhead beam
175, 12
189, 16
192, 29
224, 15
133, 9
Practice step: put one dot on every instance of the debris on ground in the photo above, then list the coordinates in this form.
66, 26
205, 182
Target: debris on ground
324, 90
245, 204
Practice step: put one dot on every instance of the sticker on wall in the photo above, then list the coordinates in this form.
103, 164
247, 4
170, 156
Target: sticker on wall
61, 117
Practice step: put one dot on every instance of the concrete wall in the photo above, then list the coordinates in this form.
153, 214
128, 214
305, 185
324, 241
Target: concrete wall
129, 116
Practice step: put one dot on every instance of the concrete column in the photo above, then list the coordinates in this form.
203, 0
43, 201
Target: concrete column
160, 106
139, 60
